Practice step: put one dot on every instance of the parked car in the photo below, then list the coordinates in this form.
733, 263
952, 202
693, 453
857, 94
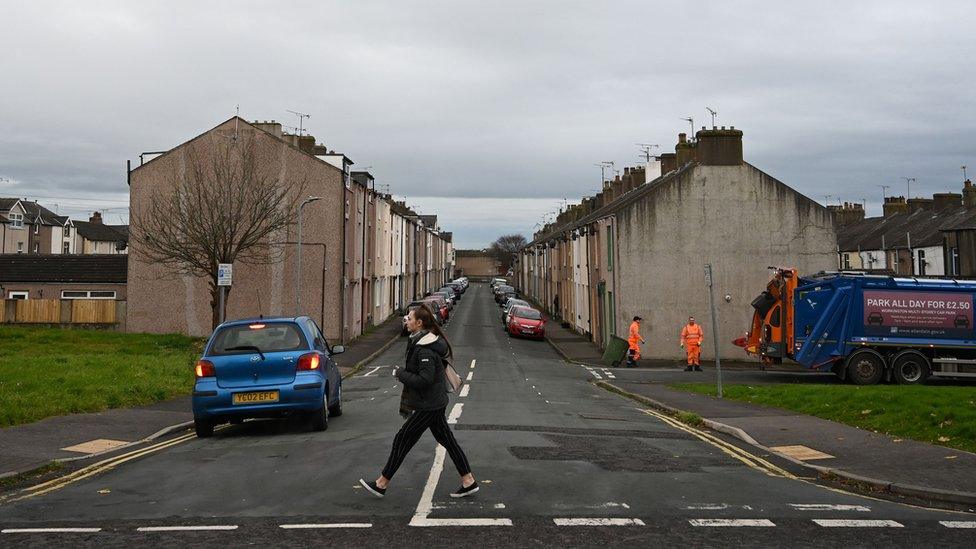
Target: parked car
463, 282
266, 367
504, 292
507, 308
526, 322
448, 296
456, 287
441, 305
495, 282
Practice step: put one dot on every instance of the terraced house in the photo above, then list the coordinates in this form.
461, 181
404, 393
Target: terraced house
638, 248
363, 258
28, 227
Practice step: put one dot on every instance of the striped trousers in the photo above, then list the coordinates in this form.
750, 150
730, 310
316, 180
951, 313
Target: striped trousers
413, 428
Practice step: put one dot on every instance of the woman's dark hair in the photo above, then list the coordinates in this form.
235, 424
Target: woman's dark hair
426, 318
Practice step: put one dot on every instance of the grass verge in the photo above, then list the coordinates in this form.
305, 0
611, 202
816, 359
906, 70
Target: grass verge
938, 415
50, 371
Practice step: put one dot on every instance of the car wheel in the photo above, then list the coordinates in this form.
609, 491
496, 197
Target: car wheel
336, 411
910, 367
865, 367
203, 427
320, 417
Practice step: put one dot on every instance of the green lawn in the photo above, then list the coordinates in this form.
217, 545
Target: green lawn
936, 414
48, 371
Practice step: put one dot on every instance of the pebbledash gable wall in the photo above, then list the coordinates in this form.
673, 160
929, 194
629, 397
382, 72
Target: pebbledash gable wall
740, 220
161, 301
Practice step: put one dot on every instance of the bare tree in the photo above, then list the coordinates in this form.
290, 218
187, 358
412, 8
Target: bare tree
505, 248
225, 207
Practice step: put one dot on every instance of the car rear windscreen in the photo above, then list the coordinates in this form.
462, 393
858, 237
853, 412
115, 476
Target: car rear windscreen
529, 314
267, 337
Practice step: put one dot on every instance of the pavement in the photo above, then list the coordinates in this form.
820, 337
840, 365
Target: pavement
882, 462
560, 461
77, 437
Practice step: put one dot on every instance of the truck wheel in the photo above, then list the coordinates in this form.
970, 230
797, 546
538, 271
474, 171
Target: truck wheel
910, 367
865, 367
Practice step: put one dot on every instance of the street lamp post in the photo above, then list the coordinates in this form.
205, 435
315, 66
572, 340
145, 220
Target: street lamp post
298, 272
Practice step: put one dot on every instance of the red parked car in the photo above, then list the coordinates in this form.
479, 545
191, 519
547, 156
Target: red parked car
526, 322
440, 303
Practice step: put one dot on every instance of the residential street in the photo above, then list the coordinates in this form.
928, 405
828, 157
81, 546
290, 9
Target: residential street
561, 462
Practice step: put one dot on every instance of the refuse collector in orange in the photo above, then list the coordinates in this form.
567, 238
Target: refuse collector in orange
633, 339
691, 339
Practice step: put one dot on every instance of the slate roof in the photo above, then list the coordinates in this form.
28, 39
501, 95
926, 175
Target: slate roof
105, 269
99, 232
924, 226
33, 211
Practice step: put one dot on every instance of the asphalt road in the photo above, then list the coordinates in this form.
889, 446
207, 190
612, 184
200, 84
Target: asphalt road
561, 463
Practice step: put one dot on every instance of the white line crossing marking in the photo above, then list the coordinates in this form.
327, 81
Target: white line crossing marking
50, 530
470, 375
734, 523
186, 528
598, 522
609, 374
473, 362
334, 525
464, 391
455, 413
367, 374
828, 507
958, 523
855, 523
460, 522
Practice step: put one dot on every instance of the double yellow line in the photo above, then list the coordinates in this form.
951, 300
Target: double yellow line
751, 460
92, 470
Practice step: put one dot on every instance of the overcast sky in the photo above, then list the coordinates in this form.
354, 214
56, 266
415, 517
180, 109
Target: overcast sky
489, 113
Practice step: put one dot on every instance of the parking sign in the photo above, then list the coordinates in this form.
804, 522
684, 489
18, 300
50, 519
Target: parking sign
225, 272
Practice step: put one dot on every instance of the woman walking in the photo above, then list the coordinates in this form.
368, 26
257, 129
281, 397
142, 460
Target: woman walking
424, 402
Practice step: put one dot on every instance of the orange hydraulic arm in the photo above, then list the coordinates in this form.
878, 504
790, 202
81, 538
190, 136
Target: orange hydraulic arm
771, 333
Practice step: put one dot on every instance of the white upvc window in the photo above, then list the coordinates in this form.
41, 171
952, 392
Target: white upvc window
20, 247
87, 294
67, 231
16, 220
67, 247
37, 227
17, 295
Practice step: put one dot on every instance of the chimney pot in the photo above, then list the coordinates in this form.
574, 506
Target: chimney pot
682, 137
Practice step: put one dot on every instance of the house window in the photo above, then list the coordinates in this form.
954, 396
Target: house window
17, 295
16, 220
609, 250
921, 262
37, 248
847, 262
67, 247
20, 247
67, 231
954, 261
37, 228
87, 294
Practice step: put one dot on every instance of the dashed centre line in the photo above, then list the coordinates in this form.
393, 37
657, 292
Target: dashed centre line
732, 523
186, 528
334, 525
470, 375
598, 522
464, 391
50, 530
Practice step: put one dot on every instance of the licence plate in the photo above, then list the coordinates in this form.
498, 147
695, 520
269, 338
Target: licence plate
528, 331
256, 396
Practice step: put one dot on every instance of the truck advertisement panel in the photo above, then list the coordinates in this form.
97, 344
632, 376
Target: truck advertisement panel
918, 314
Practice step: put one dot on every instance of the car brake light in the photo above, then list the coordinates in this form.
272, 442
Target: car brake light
205, 368
309, 361
256, 326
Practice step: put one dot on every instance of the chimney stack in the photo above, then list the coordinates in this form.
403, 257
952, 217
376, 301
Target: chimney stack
719, 147
849, 213
96, 218
272, 127
968, 194
669, 162
684, 150
918, 204
894, 205
946, 201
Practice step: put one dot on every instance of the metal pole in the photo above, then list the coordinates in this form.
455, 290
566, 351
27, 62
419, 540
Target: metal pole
711, 301
220, 314
298, 271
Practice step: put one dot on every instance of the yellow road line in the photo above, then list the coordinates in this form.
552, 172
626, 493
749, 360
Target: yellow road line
92, 470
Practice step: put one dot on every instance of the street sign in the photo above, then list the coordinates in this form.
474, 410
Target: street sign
225, 272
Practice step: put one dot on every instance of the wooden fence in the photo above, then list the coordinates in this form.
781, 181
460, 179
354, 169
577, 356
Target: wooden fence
63, 311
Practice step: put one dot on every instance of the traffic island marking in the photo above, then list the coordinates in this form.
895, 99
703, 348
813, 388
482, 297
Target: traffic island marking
96, 446
800, 452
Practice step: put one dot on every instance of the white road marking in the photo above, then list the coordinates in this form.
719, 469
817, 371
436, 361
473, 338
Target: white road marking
473, 362
596, 375
609, 374
958, 523
854, 523
335, 525
186, 528
470, 375
50, 530
455, 413
367, 374
598, 522
734, 523
464, 391
422, 522
708, 507
828, 507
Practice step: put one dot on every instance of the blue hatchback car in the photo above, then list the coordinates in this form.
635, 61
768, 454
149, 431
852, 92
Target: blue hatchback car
267, 367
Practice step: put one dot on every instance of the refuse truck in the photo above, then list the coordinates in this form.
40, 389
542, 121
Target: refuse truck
866, 328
